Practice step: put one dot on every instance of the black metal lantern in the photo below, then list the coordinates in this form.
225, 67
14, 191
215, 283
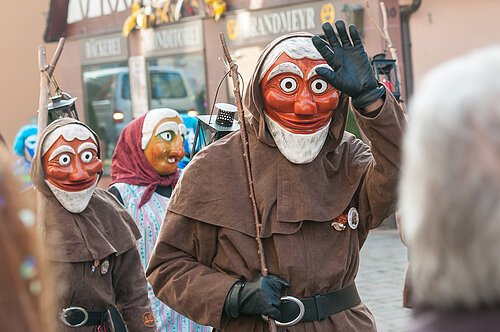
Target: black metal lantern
210, 128
386, 72
62, 106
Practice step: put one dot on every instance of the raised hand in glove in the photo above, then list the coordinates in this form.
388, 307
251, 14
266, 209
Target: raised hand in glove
352, 73
259, 296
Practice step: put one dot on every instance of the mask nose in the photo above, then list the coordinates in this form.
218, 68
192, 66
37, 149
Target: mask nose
176, 153
78, 174
304, 105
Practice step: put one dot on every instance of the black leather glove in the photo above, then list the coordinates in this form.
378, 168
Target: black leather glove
259, 296
352, 73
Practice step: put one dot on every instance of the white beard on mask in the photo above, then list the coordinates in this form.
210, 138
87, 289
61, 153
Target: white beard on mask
74, 202
297, 148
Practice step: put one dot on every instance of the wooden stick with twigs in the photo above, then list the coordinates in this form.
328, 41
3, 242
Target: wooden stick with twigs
384, 32
246, 157
46, 72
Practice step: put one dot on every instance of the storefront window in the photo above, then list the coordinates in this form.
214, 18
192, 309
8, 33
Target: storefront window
108, 104
178, 82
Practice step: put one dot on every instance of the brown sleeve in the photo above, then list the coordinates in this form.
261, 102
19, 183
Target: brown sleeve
131, 292
182, 273
378, 192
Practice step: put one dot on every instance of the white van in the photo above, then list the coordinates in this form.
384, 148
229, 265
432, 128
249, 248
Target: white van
108, 98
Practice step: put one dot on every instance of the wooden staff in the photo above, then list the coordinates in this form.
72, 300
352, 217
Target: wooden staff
46, 72
246, 158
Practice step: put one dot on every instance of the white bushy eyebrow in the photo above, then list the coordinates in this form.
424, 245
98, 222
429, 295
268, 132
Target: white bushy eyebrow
87, 145
168, 126
182, 129
61, 149
173, 126
285, 67
312, 72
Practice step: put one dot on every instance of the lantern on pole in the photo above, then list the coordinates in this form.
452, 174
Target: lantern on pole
386, 72
62, 106
210, 128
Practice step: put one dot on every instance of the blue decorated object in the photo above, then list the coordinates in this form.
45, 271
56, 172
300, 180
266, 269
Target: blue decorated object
25, 146
190, 122
25, 142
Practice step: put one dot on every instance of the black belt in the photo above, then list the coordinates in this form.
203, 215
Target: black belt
77, 316
320, 307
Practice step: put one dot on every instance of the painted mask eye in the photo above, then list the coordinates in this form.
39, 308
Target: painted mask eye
30, 142
167, 135
319, 86
288, 84
64, 159
87, 156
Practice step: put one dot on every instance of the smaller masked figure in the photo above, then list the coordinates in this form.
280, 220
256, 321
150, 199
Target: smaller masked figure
24, 147
144, 170
90, 238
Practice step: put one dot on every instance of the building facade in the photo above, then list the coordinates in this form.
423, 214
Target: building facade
441, 30
178, 64
21, 33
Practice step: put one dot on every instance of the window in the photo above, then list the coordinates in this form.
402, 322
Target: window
167, 84
178, 82
107, 93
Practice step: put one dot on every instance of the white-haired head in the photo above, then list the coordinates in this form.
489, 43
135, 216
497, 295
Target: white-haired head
68, 132
450, 186
296, 48
151, 120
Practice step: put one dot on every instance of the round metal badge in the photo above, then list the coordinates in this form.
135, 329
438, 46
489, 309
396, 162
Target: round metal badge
353, 218
105, 267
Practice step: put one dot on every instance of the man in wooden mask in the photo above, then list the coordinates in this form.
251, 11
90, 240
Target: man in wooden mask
90, 238
319, 190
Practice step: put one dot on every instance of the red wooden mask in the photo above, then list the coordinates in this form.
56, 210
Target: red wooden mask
72, 166
166, 147
297, 98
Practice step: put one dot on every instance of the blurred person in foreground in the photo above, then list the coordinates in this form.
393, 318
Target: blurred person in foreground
144, 171
89, 236
450, 195
25, 293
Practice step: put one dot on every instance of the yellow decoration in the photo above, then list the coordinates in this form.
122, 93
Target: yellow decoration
327, 13
128, 25
131, 21
141, 18
218, 7
232, 29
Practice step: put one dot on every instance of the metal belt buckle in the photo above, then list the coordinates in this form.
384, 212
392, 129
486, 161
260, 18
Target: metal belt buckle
297, 319
65, 312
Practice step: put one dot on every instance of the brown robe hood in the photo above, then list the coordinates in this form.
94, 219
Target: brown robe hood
100, 230
214, 189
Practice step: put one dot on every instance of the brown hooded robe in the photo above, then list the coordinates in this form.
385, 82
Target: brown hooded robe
207, 241
104, 231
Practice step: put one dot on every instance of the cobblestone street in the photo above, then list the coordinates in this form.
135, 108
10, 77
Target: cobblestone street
381, 277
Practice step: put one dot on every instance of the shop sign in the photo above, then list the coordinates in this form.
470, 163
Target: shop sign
252, 27
104, 49
173, 38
